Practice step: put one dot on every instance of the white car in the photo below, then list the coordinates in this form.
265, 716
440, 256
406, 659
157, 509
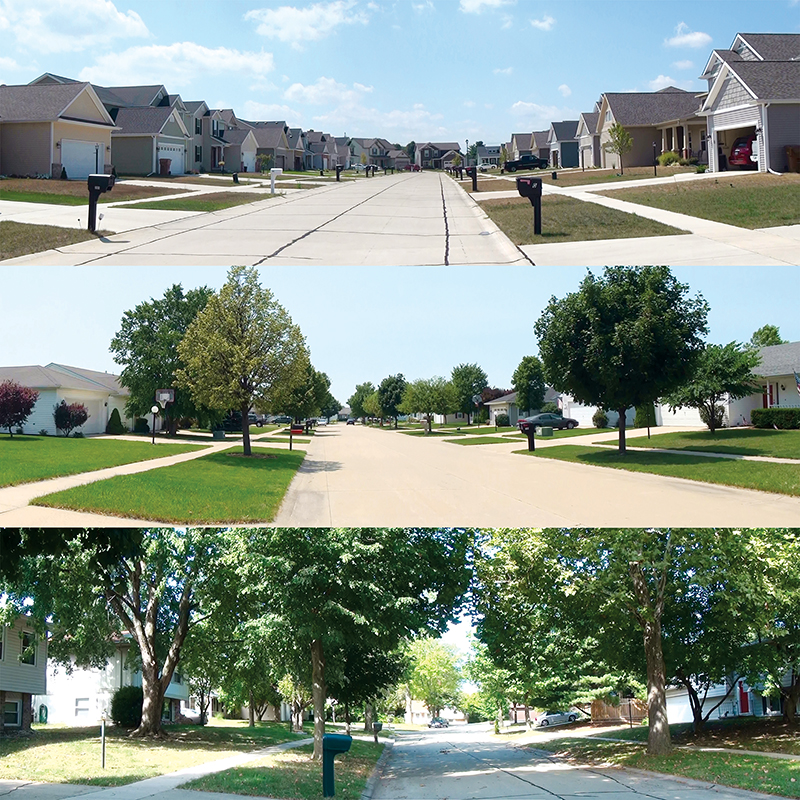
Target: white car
555, 718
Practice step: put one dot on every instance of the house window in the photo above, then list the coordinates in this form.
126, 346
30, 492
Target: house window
198, 153
608, 115
198, 125
177, 677
81, 707
28, 648
11, 713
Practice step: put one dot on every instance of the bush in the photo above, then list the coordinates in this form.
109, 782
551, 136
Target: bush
550, 408
600, 419
783, 418
126, 706
43, 432
140, 425
69, 417
701, 168
502, 421
688, 162
668, 158
719, 416
645, 416
115, 426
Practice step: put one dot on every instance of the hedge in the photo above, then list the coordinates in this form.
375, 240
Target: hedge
783, 418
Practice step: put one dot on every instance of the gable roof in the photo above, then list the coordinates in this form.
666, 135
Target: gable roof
564, 130
46, 102
540, 138
145, 120
769, 80
60, 376
136, 95
779, 359
193, 106
589, 119
771, 46
650, 108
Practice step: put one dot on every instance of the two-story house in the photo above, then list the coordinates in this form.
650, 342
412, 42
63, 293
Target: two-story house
23, 659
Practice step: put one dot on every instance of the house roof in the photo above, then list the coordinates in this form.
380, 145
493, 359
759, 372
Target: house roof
650, 108
770, 80
238, 135
539, 138
773, 46
779, 359
266, 136
565, 130
60, 376
505, 399
590, 118
41, 102
294, 137
135, 95
143, 120
193, 105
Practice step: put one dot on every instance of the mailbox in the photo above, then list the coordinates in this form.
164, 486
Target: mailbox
273, 173
332, 743
377, 727
97, 184
472, 172
532, 189
339, 169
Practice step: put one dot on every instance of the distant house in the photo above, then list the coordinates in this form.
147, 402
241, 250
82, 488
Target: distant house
430, 154
563, 143
100, 392
149, 137
588, 140
754, 91
507, 404
23, 659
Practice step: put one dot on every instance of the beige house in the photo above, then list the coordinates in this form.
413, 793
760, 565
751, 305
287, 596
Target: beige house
23, 661
49, 130
150, 140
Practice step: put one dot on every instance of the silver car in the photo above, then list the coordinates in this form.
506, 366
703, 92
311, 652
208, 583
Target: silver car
555, 718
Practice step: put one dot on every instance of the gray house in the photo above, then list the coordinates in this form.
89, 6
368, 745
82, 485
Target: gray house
588, 140
563, 144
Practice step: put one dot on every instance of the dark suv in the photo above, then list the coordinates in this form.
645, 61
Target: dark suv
526, 162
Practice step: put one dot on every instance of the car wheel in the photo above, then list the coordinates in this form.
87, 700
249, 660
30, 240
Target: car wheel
570, 425
512, 169
544, 723
259, 424
572, 718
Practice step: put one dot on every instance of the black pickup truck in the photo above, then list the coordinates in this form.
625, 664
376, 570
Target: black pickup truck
526, 162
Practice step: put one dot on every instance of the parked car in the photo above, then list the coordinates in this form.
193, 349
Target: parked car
555, 718
546, 421
438, 722
742, 153
351, 420
282, 420
526, 162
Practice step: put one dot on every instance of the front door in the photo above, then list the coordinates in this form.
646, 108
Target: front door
766, 398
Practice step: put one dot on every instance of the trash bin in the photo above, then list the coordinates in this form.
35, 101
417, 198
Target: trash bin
793, 157
164, 165
547, 432
218, 434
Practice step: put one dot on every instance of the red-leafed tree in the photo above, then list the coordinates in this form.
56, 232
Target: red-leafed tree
67, 417
16, 404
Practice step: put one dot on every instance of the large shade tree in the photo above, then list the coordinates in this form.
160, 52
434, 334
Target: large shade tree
468, 380
433, 675
529, 384
357, 399
242, 349
429, 396
623, 339
390, 395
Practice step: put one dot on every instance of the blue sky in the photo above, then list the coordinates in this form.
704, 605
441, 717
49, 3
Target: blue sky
366, 323
443, 70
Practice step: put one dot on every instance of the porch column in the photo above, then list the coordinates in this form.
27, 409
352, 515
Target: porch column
686, 149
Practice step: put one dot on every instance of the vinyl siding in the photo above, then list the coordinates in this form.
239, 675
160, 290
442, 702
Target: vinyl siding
25, 148
83, 107
732, 94
14, 675
132, 155
783, 126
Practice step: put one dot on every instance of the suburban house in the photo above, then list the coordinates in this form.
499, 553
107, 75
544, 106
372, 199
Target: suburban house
150, 140
666, 120
522, 144
322, 149
507, 404
430, 155
271, 141
100, 392
240, 150
488, 155
23, 660
588, 140
399, 159
570, 407
300, 154
417, 713
376, 151
195, 111
52, 129
754, 91
563, 144
84, 695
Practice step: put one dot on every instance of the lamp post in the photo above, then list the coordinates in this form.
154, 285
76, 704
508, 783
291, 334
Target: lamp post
155, 411
655, 174
103, 740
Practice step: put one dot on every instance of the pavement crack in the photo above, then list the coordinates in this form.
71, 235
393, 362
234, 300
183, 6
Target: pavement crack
446, 227
14, 788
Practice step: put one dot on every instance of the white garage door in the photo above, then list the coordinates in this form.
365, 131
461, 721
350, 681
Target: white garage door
80, 159
175, 154
249, 161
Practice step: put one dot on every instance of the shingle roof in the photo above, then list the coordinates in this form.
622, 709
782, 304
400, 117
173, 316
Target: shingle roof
565, 130
193, 105
650, 108
143, 119
134, 95
540, 138
770, 80
55, 376
238, 135
590, 118
39, 103
774, 46
779, 359
267, 136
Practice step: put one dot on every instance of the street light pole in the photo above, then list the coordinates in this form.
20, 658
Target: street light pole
655, 174
154, 410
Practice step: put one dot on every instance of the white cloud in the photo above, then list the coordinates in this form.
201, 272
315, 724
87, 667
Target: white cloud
506, 71
9, 64
176, 65
477, 6
398, 124
253, 110
326, 90
683, 64
64, 26
508, 21
565, 90
298, 25
421, 8
684, 37
469, 104
544, 24
538, 117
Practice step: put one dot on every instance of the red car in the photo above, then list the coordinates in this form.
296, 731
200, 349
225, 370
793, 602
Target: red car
742, 152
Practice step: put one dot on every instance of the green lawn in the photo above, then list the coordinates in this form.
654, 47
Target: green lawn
221, 488
740, 441
765, 477
20, 239
205, 202
293, 775
565, 219
564, 433
754, 201
72, 193
470, 440
24, 459
72, 755
754, 773
434, 432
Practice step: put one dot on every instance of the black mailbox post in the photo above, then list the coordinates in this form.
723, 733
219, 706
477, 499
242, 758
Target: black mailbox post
377, 727
332, 743
97, 184
531, 434
532, 189
472, 172
339, 169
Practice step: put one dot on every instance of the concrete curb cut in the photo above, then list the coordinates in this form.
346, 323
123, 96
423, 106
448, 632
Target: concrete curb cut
374, 776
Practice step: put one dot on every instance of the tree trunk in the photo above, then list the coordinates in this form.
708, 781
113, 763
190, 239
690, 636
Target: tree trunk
791, 696
318, 695
622, 431
246, 429
152, 704
369, 714
347, 718
251, 712
297, 718
527, 711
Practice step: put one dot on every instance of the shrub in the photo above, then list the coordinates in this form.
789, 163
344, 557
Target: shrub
115, 426
43, 432
69, 417
600, 419
688, 162
701, 168
126, 706
550, 408
140, 425
783, 418
502, 421
719, 416
668, 158
645, 416
16, 404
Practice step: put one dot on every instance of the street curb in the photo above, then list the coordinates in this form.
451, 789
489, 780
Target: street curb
374, 776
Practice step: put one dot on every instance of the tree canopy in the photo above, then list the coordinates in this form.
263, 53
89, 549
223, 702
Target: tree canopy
620, 142
390, 395
529, 384
468, 380
767, 336
429, 396
356, 400
16, 405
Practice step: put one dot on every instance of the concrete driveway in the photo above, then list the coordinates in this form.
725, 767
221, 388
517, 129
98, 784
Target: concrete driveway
354, 475
409, 219
462, 763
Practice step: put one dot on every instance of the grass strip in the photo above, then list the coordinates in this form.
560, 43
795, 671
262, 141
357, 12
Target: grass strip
564, 433
754, 201
753, 773
764, 477
20, 239
72, 755
471, 440
216, 201
294, 776
24, 459
565, 219
222, 488
73, 193
737, 441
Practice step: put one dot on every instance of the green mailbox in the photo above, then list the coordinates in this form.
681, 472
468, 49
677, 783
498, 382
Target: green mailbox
332, 744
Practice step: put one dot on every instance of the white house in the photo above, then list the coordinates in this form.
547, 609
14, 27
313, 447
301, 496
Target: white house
100, 392
81, 697
23, 658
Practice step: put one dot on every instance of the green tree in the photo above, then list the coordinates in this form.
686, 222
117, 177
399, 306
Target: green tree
721, 371
356, 400
622, 340
503, 155
457, 160
390, 394
767, 336
146, 345
433, 674
620, 142
372, 407
242, 349
495, 684
429, 396
303, 399
468, 380
528, 382
411, 150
